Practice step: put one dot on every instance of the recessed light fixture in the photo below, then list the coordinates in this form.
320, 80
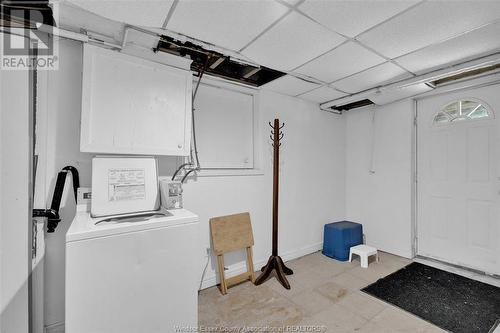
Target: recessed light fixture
352, 105
464, 75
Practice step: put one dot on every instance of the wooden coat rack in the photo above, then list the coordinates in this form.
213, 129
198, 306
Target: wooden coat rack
275, 262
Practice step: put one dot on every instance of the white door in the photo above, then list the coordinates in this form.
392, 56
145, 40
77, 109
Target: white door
459, 178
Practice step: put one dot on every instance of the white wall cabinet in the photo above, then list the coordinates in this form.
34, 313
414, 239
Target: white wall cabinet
134, 106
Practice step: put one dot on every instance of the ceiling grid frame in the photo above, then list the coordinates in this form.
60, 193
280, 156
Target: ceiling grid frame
448, 39
429, 44
347, 39
295, 7
290, 10
354, 39
169, 14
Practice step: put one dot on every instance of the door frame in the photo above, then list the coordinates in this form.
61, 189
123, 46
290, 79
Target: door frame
457, 87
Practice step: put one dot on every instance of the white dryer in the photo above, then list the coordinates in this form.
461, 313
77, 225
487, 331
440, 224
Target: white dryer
132, 275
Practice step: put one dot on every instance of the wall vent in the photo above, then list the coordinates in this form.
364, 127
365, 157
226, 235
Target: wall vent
217, 64
353, 105
465, 75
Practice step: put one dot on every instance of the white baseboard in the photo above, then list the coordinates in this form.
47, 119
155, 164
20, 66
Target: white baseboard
405, 253
239, 268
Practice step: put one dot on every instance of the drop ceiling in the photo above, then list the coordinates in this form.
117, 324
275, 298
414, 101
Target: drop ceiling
345, 60
322, 94
329, 49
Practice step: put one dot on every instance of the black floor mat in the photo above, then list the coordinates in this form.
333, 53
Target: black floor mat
447, 300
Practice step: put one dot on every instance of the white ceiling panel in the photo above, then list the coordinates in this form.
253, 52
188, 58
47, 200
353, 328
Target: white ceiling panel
322, 94
428, 23
371, 78
72, 17
292, 42
464, 47
352, 17
141, 39
149, 13
345, 60
227, 23
292, 2
290, 85
396, 94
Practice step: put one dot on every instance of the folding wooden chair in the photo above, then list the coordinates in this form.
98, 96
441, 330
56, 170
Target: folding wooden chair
231, 233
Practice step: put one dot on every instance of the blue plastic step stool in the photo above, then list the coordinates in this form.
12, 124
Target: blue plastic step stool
338, 238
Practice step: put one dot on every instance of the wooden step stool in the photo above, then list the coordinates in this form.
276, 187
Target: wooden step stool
231, 233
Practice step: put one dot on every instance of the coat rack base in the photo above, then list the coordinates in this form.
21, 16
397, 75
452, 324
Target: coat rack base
277, 264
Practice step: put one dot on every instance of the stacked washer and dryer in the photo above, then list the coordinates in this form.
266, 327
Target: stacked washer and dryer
131, 265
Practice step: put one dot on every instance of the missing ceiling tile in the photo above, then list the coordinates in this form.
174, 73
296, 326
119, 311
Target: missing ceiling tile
218, 64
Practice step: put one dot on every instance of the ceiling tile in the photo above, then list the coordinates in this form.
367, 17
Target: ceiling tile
371, 78
396, 94
345, 60
292, 2
227, 23
141, 39
292, 42
290, 85
150, 13
352, 17
465, 47
322, 94
428, 23
73, 17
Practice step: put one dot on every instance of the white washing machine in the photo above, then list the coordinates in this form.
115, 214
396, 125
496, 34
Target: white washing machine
132, 275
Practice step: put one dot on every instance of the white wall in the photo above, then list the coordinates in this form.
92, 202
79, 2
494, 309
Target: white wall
58, 145
312, 177
311, 188
325, 176
15, 214
382, 200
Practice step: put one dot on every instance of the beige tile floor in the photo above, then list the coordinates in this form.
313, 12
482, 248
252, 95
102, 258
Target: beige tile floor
325, 297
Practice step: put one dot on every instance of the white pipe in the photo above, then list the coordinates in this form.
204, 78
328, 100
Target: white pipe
62, 33
371, 170
75, 36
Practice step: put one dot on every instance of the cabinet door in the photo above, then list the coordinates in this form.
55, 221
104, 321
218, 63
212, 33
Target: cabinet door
134, 106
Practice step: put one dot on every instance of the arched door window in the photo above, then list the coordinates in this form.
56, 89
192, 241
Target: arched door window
462, 110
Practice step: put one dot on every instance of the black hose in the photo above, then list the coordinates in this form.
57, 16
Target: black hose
179, 169
186, 175
76, 178
52, 214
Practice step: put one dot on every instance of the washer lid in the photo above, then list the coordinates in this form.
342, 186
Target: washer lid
86, 227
